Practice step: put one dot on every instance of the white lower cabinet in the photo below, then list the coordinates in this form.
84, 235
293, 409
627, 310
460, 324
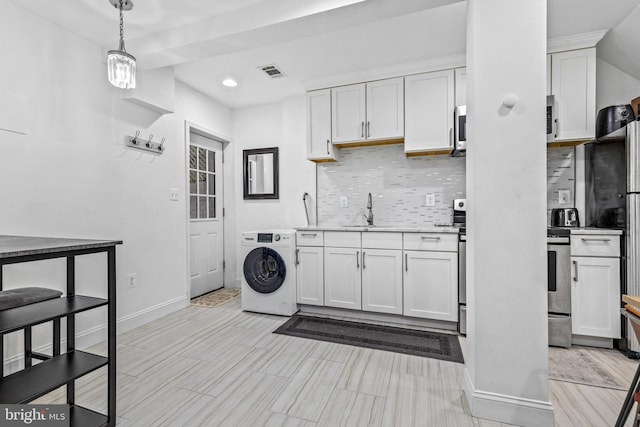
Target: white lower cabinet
431, 285
310, 275
342, 278
595, 296
382, 280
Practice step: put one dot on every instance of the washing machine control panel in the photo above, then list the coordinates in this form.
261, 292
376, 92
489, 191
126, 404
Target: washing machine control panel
267, 237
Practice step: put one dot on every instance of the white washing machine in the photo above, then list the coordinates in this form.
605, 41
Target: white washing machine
269, 272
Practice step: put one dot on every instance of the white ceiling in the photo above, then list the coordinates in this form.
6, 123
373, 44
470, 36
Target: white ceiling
311, 40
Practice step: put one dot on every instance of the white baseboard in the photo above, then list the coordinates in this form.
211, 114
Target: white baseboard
150, 314
97, 334
507, 409
592, 341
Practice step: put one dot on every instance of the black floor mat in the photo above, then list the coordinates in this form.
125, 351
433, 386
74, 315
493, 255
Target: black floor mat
400, 340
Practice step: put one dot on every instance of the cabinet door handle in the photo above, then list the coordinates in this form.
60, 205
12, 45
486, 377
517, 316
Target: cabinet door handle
308, 234
357, 259
430, 237
363, 255
297, 256
406, 262
450, 137
585, 239
362, 130
327, 146
575, 270
368, 129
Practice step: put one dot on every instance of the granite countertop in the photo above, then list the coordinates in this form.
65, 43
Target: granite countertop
426, 229
593, 230
14, 246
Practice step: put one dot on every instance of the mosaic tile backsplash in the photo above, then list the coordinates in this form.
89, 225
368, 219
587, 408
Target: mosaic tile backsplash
399, 185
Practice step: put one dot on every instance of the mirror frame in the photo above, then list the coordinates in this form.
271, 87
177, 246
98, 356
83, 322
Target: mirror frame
245, 176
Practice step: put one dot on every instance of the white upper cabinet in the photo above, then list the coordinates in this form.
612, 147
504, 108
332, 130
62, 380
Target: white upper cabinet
368, 112
573, 83
385, 109
549, 75
348, 113
429, 112
319, 147
461, 86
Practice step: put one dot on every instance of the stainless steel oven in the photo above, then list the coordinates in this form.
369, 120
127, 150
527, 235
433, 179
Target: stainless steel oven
559, 290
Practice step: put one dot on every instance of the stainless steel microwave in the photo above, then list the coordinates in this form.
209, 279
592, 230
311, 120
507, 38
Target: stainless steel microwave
460, 131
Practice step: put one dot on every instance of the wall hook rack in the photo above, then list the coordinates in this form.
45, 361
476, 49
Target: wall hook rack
145, 144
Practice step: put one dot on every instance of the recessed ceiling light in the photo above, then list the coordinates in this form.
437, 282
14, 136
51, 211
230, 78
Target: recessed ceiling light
230, 83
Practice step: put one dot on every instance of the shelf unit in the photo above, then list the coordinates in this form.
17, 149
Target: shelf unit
59, 369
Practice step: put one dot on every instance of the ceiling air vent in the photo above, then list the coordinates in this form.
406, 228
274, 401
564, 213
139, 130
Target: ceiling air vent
272, 71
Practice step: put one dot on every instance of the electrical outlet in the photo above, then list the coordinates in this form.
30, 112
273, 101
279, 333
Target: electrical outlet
564, 197
174, 194
430, 200
344, 202
131, 280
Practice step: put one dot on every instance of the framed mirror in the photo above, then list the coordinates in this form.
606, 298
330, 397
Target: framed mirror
260, 167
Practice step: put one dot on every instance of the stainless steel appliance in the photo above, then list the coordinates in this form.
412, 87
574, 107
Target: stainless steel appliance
565, 217
612, 200
559, 287
460, 220
460, 131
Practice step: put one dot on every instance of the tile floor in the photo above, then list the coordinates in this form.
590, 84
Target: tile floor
222, 367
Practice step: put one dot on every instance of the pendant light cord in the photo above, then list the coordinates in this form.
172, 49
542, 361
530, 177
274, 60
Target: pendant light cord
121, 47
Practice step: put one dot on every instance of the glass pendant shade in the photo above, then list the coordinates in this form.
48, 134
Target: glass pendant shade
121, 67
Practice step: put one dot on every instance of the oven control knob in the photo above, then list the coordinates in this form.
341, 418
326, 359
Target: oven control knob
276, 237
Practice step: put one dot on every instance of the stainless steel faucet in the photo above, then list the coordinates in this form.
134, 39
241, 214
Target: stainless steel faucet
369, 215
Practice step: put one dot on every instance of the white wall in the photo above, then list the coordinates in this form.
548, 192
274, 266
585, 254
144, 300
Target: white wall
614, 86
72, 176
506, 375
275, 125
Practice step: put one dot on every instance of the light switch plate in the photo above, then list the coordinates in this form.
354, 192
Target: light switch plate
344, 202
174, 195
564, 197
430, 200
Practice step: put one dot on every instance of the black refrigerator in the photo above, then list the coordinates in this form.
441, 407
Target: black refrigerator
612, 200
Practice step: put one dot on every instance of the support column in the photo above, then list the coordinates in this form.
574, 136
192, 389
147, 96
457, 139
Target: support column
507, 374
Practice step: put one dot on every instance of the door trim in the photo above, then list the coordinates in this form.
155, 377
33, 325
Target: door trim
189, 127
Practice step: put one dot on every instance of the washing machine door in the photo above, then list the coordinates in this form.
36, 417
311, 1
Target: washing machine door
264, 270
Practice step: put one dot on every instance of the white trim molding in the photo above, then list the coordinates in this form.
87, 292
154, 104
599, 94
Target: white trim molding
397, 70
150, 314
507, 409
576, 41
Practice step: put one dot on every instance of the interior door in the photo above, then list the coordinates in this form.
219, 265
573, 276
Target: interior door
205, 215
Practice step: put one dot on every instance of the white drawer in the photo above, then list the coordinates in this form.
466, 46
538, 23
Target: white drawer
442, 242
310, 238
381, 240
342, 239
603, 245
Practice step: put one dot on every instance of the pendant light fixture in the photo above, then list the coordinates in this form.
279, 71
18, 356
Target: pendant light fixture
121, 65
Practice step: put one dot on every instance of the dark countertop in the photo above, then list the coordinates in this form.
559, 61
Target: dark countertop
15, 246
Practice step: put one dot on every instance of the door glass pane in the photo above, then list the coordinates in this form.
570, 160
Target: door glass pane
193, 155
193, 207
202, 183
202, 207
202, 159
193, 187
212, 184
212, 161
212, 207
